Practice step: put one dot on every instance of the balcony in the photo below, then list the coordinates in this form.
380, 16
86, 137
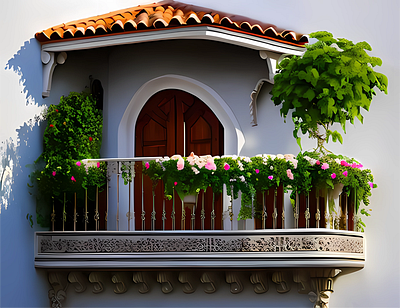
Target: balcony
119, 230
178, 234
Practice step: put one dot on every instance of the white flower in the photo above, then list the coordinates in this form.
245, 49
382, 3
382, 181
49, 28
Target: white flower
175, 157
280, 156
234, 157
246, 159
195, 170
337, 160
272, 156
242, 178
232, 180
271, 168
240, 165
288, 156
259, 155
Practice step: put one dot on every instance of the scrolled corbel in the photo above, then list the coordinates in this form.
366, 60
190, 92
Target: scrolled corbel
209, 281
58, 293
322, 290
281, 281
97, 279
140, 277
49, 64
165, 279
235, 282
78, 280
120, 283
302, 278
260, 281
188, 281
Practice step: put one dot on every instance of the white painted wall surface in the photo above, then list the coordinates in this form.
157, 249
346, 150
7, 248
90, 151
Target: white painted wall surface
375, 144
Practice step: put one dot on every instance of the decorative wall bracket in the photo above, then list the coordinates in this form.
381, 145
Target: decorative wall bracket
50, 62
271, 59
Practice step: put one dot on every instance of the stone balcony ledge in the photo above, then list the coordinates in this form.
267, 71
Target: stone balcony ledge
247, 249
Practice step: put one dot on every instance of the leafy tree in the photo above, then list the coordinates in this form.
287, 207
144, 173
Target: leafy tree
329, 84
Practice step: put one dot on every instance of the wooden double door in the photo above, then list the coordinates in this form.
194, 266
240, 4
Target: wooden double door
175, 122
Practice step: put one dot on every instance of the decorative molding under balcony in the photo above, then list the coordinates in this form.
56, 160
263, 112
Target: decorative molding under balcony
257, 249
317, 283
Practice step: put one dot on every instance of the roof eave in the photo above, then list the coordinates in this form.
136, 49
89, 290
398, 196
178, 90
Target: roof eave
199, 32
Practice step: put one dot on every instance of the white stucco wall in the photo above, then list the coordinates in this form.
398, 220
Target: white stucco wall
375, 144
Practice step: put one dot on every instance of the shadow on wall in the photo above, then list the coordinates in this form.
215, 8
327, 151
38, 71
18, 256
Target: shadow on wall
15, 154
27, 64
17, 251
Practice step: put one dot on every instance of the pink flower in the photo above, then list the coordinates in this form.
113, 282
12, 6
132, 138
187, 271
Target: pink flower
90, 139
180, 164
227, 167
98, 164
73, 179
289, 174
257, 171
333, 176
345, 173
51, 125
147, 165
344, 163
325, 166
175, 183
53, 173
210, 165
318, 162
270, 177
78, 163
353, 165
371, 184
359, 166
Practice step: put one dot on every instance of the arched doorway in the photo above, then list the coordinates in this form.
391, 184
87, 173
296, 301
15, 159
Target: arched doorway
174, 122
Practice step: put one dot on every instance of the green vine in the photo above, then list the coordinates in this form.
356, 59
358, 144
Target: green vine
73, 133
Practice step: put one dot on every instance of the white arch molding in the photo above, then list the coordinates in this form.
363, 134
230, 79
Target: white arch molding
233, 136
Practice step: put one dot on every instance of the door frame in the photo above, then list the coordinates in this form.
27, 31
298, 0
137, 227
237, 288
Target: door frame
233, 136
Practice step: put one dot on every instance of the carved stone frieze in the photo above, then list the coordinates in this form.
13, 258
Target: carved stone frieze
204, 244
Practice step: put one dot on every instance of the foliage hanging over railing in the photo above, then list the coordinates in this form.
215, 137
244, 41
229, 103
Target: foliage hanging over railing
189, 175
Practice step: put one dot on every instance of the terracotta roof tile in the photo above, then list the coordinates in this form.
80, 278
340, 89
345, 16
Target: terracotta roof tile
163, 15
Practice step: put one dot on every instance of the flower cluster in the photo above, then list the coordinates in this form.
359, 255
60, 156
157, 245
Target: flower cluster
327, 171
189, 175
